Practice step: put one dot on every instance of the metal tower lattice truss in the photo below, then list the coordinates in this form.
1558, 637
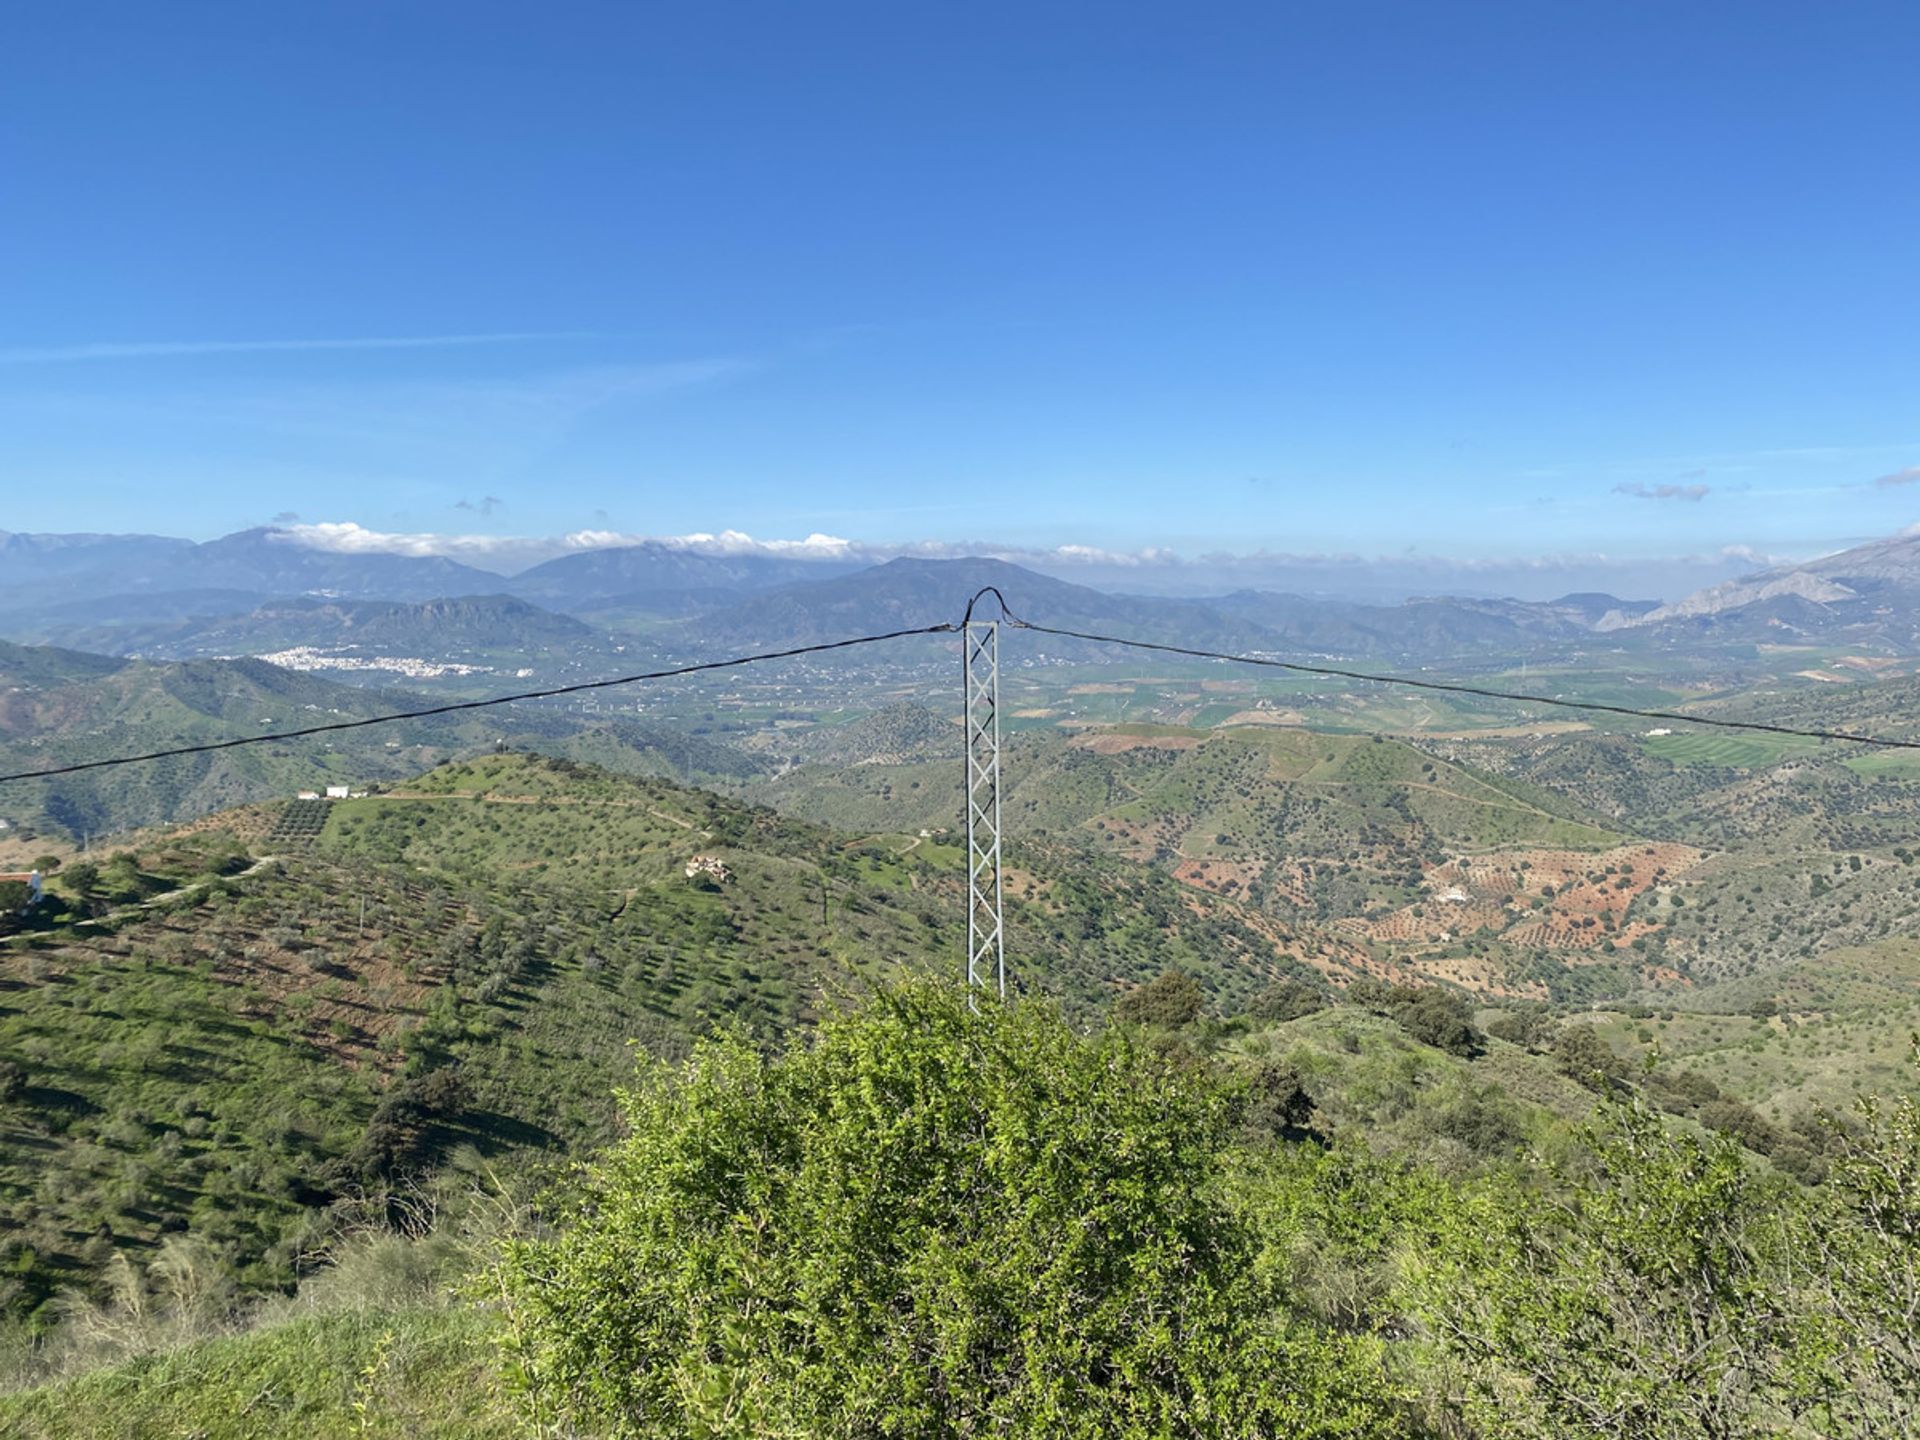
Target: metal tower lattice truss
986, 928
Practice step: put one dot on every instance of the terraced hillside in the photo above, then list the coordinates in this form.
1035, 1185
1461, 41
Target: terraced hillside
1376, 856
1172, 788
229, 1028
1288, 791
223, 1043
1575, 866
222, 1036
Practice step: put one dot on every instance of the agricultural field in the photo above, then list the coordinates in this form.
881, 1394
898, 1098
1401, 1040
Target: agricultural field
1653, 873
1724, 750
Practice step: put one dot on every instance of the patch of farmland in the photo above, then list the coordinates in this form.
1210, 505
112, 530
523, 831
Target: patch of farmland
1729, 752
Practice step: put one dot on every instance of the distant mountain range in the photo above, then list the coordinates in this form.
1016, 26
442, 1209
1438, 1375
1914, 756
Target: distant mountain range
1869, 595
43, 569
659, 579
44, 574
472, 626
263, 590
906, 593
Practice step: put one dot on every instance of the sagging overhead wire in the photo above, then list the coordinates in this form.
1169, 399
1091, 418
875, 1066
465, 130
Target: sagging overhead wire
1455, 688
457, 705
1009, 618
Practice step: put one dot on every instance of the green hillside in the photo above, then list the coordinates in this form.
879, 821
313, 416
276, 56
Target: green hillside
1346, 842
1506, 864
1301, 792
1278, 791
61, 707
1316, 1226
221, 1047
464, 963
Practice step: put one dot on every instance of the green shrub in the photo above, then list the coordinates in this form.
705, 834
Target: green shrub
1585, 1057
1275, 1103
1527, 1026
1441, 1019
1287, 1000
1642, 1303
928, 1223
1171, 999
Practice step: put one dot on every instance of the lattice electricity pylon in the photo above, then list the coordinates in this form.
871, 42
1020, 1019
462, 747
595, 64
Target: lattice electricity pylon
986, 925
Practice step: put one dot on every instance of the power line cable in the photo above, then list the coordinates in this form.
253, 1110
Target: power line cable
457, 705
1454, 688
950, 628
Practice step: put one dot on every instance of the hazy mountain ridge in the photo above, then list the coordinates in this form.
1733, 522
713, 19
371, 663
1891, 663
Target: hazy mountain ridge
134, 597
1435, 625
264, 561
1868, 593
1798, 584
57, 587
30, 557
907, 593
438, 627
652, 574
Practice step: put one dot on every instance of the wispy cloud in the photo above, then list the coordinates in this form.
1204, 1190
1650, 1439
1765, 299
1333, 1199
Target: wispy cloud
1692, 493
168, 349
1908, 476
464, 427
485, 505
1754, 555
733, 542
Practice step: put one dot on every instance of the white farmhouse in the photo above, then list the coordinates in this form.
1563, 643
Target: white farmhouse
711, 865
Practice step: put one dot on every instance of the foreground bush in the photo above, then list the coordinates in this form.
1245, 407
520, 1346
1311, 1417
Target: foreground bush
1675, 1290
927, 1223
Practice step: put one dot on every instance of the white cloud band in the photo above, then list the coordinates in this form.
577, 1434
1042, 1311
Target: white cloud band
1151, 569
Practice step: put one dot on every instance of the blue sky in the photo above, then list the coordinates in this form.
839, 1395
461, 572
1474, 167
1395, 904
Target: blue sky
1474, 281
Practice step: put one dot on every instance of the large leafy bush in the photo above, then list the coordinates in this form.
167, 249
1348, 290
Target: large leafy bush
925, 1223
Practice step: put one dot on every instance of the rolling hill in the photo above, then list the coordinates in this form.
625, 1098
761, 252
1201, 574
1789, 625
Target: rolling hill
910, 592
218, 1041
62, 707
246, 1028
489, 629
